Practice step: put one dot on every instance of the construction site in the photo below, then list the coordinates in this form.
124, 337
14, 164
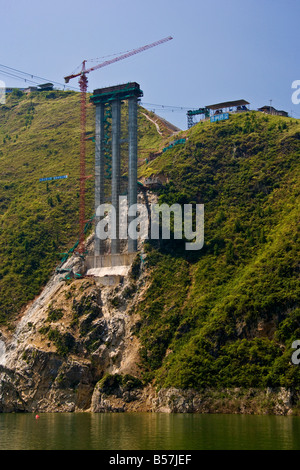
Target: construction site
108, 258
116, 316
115, 174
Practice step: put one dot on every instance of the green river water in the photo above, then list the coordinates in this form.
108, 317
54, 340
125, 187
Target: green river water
148, 431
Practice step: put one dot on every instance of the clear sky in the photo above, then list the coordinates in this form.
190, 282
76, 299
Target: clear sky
221, 49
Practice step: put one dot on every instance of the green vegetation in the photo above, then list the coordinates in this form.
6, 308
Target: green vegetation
64, 342
40, 137
113, 383
38, 221
224, 316
227, 314
54, 314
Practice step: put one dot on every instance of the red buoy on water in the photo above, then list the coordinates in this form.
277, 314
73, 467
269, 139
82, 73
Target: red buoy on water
36, 416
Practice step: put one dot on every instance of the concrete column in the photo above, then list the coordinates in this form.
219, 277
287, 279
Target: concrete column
132, 162
99, 171
116, 168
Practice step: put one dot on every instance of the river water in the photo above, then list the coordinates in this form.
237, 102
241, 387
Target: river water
148, 431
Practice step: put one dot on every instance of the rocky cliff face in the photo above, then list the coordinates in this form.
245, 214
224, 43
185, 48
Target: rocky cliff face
73, 350
73, 334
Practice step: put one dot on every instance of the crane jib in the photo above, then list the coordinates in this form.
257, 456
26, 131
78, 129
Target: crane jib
116, 59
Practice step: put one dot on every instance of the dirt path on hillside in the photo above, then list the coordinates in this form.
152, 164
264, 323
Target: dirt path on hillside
154, 122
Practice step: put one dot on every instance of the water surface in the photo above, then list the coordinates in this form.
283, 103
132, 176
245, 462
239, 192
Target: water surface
147, 431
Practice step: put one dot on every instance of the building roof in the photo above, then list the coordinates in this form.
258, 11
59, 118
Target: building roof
268, 108
228, 104
45, 85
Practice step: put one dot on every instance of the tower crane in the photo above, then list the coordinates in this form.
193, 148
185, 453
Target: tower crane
83, 82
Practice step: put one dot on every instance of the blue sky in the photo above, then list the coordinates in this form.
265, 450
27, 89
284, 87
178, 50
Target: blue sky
221, 50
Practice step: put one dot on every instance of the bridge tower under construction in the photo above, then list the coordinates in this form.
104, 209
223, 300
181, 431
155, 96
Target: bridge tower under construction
110, 142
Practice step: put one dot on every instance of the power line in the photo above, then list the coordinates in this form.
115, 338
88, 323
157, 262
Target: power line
16, 71
168, 108
11, 75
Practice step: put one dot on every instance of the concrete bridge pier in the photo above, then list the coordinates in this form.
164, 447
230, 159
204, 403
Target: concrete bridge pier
116, 169
132, 162
113, 97
99, 171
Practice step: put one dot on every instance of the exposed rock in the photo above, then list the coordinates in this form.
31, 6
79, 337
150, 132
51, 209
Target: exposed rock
243, 401
73, 350
112, 396
64, 343
117, 393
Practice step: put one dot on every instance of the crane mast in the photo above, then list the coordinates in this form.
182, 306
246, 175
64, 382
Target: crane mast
83, 84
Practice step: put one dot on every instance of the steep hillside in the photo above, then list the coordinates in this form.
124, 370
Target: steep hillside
39, 137
228, 314
215, 321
